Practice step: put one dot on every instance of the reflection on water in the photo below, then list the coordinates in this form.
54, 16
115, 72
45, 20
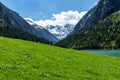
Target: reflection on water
106, 52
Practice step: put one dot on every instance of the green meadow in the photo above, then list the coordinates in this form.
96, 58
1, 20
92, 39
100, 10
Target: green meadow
24, 60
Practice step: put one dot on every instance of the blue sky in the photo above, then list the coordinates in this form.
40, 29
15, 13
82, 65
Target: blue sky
43, 9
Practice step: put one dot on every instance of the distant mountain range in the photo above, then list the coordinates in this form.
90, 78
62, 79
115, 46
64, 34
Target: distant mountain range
60, 32
98, 29
11, 18
41, 32
50, 33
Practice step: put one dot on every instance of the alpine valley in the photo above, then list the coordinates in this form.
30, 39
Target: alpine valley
98, 29
29, 51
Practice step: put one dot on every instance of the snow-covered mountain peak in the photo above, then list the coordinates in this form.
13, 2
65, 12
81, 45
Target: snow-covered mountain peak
58, 31
61, 24
31, 22
44, 32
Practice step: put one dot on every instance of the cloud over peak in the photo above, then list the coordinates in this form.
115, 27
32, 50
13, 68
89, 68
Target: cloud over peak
69, 17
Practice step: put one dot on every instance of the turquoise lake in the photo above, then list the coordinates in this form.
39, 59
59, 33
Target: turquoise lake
105, 52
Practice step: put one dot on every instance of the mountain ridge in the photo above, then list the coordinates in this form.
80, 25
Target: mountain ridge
102, 10
12, 18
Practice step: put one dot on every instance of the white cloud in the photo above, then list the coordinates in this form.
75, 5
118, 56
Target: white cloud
70, 17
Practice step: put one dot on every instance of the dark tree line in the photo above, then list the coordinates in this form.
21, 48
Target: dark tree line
14, 32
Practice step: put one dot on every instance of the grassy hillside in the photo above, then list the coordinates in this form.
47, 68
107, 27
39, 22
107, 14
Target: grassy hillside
23, 60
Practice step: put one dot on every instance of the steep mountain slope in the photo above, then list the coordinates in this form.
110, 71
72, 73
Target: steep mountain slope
12, 18
60, 31
13, 32
102, 10
22, 60
43, 32
7, 29
105, 35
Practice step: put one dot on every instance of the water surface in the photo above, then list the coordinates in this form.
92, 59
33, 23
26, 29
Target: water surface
105, 52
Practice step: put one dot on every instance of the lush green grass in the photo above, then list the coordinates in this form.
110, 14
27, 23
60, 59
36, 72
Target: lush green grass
23, 60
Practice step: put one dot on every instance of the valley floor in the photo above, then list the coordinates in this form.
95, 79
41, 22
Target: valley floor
23, 60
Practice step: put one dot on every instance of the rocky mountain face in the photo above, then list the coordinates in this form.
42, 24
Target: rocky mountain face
60, 32
12, 18
42, 32
102, 10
